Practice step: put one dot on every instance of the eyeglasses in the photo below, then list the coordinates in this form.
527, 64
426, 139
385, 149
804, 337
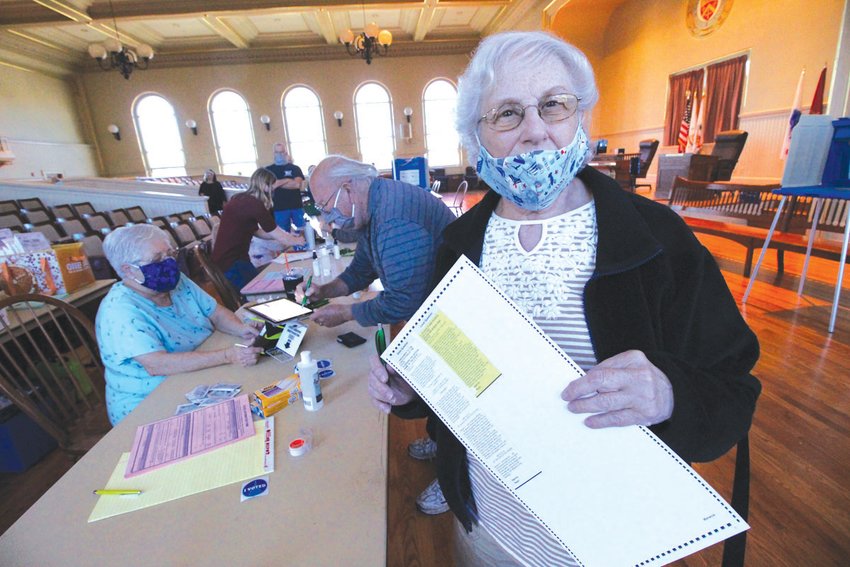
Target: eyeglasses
171, 253
323, 208
553, 108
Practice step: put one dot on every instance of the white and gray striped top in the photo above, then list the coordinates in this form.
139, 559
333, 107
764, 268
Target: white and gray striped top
547, 283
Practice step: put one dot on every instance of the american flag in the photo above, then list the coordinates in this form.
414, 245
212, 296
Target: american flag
685, 128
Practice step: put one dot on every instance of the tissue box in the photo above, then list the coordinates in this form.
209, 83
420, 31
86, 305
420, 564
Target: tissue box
273, 398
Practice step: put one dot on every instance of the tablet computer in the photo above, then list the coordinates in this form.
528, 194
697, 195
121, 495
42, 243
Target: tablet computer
280, 310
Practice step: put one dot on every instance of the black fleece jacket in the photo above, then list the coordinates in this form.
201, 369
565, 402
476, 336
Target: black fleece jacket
655, 289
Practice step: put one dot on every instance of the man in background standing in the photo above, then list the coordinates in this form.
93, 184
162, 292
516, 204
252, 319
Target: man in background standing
286, 195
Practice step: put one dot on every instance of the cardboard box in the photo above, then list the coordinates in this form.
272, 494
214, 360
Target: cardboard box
74, 264
273, 398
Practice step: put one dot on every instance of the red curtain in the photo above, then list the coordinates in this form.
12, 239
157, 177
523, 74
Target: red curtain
725, 86
679, 86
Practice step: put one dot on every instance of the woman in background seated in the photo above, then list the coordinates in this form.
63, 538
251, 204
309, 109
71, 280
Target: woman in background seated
211, 188
150, 323
247, 215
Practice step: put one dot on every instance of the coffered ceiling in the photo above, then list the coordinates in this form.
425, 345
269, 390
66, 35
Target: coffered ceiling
52, 36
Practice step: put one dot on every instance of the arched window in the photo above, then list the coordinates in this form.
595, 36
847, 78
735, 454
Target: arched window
441, 139
374, 116
162, 148
234, 136
305, 129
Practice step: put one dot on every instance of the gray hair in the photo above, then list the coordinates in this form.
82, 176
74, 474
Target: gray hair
128, 244
532, 47
338, 168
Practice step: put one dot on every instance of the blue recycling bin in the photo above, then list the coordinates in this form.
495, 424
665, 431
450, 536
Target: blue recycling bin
412, 170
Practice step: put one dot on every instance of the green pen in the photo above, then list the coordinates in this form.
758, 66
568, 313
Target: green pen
380, 343
306, 288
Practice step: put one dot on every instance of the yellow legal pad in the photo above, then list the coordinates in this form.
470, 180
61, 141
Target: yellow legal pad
233, 463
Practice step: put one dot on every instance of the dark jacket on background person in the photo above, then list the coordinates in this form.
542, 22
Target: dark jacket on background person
655, 289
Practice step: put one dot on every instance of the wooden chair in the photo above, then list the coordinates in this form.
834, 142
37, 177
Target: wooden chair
183, 233
9, 206
63, 212
85, 208
31, 203
51, 369
457, 203
136, 214
229, 296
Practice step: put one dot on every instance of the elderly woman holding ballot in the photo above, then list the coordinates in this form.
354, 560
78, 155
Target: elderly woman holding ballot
150, 323
616, 280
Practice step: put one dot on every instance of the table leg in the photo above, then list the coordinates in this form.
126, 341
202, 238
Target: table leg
818, 205
841, 263
764, 248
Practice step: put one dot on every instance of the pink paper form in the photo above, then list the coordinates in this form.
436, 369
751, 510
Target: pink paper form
183, 436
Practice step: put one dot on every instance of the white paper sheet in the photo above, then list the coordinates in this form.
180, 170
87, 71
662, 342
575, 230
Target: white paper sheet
615, 496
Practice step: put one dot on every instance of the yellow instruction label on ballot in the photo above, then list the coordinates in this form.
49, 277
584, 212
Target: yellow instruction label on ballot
459, 352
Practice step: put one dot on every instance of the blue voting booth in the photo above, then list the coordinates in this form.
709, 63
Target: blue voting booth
412, 170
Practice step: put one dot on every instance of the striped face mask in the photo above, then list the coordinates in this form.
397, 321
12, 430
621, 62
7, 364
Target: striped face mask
534, 180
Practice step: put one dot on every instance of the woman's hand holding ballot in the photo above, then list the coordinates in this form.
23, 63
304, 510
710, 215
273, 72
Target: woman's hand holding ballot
386, 388
626, 389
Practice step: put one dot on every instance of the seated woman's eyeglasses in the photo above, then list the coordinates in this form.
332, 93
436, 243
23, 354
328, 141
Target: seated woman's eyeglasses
554, 108
171, 253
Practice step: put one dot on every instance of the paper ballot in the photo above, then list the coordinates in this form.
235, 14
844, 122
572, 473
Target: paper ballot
614, 496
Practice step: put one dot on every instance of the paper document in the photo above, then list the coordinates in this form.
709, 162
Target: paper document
183, 436
234, 463
614, 496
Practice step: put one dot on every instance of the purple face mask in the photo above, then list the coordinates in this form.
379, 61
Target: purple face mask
160, 276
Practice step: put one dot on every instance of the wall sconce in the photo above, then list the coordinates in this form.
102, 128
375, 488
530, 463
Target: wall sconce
408, 112
115, 131
193, 126
338, 115
266, 121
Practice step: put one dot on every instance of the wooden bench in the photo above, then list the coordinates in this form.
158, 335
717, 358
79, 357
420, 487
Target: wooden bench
743, 214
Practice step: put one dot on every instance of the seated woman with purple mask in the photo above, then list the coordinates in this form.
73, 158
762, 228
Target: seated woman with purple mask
150, 323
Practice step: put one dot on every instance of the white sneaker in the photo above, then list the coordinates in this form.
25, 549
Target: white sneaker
423, 449
431, 501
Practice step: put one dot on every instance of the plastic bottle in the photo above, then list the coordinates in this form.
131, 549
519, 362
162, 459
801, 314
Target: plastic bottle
311, 389
317, 270
309, 236
336, 249
325, 262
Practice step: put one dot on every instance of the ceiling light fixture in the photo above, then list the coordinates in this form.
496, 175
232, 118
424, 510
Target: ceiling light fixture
112, 55
372, 41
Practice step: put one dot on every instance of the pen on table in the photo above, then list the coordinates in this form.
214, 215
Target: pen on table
116, 492
306, 288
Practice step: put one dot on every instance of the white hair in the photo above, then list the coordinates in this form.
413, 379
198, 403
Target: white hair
532, 48
338, 168
129, 244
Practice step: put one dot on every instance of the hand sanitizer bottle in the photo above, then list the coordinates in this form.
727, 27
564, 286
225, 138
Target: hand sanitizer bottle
311, 389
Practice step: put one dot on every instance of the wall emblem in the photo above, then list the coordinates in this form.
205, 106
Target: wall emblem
705, 16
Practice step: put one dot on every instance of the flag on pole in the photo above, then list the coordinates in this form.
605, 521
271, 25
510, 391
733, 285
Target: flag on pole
685, 127
695, 138
793, 118
817, 100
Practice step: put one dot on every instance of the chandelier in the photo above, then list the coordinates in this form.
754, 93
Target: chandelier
112, 55
369, 43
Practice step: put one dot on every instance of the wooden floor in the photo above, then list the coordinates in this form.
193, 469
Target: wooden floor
800, 442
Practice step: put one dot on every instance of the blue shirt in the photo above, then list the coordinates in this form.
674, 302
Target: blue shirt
398, 246
130, 325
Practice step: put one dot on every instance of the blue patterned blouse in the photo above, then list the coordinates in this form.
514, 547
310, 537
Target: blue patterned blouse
129, 325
